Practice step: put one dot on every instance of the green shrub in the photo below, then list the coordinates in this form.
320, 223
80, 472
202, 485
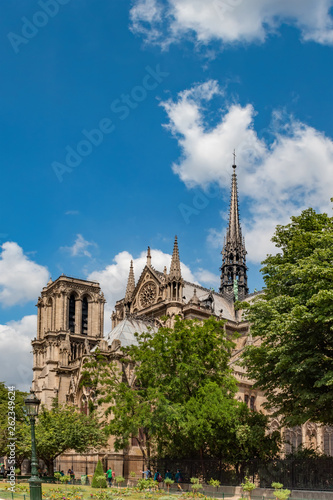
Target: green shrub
119, 480
145, 484
99, 479
168, 481
57, 475
279, 493
248, 486
196, 486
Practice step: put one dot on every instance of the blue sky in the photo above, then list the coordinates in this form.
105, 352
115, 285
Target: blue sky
118, 123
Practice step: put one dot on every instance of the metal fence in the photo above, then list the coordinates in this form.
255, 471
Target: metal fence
306, 474
295, 474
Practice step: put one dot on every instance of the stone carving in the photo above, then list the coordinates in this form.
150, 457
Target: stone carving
148, 294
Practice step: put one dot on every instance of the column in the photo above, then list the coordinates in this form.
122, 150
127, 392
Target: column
90, 318
78, 316
101, 306
39, 323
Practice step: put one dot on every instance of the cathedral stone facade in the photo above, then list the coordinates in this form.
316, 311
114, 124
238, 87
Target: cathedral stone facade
70, 326
70, 323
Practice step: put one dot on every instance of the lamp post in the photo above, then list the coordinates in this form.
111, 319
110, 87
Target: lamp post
31, 405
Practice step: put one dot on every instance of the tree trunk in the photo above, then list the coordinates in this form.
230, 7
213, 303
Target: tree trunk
202, 465
49, 466
147, 446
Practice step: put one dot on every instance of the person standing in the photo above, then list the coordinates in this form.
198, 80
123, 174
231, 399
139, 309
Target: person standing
168, 474
178, 476
109, 476
147, 473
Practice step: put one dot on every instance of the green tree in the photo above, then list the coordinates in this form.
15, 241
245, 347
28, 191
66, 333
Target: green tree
183, 397
99, 479
293, 322
63, 428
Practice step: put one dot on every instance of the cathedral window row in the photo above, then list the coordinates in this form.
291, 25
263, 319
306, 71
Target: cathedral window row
69, 313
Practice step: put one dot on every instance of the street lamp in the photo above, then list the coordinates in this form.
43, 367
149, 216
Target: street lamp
31, 405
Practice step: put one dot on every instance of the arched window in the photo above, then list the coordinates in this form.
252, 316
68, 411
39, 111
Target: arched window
252, 403
246, 399
328, 441
84, 405
74, 351
85, 316
174, 290
71, 314
293, 439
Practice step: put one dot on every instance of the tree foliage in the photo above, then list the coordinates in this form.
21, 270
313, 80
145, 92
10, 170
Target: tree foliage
292, 359
65, 428
183, 397
57, 430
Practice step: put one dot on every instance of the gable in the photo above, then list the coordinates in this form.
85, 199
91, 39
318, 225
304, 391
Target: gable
148, 291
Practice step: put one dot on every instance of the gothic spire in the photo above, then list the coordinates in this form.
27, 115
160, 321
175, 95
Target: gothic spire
234, 232
233, 269
175, 271
130, 284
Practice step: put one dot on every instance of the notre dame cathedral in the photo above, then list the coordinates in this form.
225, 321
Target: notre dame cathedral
70, 325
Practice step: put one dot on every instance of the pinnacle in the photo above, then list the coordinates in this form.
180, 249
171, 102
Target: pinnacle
130, 283
148, 257
175, 271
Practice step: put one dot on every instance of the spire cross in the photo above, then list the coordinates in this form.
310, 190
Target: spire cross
234, 155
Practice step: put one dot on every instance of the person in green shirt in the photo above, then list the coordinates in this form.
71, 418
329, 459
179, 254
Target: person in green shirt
109, 476
168, 474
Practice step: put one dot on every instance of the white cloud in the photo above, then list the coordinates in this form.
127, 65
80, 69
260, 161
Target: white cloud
21, 279
204, 150
15, 346
113, 279
230, 21
146, 16
72, 212
277, 177
207, 278
79, 248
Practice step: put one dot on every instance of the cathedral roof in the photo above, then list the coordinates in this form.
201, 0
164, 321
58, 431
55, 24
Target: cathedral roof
220, 303
125, 330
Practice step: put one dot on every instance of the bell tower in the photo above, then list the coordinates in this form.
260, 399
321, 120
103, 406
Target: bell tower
233, 270
69, 324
